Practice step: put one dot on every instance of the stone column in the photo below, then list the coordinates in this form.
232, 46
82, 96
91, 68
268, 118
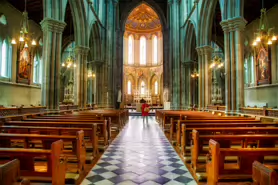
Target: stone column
175, 53
234, 63
274, 61
81, 75
200, 79
52, 40
184, 85
90, 85
189, 83
207, 75
239, 24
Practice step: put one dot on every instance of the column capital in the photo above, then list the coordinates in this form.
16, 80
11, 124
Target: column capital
236, 23
170, 2
52, 25
199, 50
207, 49
81, 50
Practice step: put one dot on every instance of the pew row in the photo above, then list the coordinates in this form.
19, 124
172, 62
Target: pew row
234, 129
218, 170
56, 161
202, 123
77, 142
226, 141
88, 132
102, 127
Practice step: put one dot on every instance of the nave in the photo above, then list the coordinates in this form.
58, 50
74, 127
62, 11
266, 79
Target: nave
140, 154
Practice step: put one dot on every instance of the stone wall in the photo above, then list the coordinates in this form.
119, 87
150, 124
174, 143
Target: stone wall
259, 95
16, 94
12, 93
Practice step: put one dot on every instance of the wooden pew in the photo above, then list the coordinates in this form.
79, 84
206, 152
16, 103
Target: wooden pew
78, 144
217, 169
196, 122
225, 141
10, 173
56, 161
234, 128
89, 132
103, 128
263, 175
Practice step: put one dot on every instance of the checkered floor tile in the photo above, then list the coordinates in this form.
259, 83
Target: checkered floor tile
141, 154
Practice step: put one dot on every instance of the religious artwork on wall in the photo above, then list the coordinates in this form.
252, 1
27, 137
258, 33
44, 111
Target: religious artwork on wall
263, 67
24, 66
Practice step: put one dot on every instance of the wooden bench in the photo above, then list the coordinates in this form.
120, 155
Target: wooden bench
10, 173
88, 132
263, 175
78, 144
226, 141
56, 161
103, 128
217, 169
224, 129
179, 123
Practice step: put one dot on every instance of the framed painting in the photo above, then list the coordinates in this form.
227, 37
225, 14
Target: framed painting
24, 66
263, 67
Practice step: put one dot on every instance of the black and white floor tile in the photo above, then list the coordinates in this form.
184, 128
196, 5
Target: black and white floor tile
141, 154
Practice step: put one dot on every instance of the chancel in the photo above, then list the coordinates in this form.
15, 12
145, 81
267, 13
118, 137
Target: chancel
79, 77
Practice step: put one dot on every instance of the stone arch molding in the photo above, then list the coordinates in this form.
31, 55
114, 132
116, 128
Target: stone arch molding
55, 10
230, 9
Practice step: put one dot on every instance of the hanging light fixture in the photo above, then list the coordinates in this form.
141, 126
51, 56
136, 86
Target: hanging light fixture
195, 74
264, 36
70, 60
24, 36
216, 62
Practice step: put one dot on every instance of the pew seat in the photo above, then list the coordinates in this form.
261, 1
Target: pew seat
217, 169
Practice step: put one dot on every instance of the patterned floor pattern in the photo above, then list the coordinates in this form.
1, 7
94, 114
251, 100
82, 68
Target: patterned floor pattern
141, 154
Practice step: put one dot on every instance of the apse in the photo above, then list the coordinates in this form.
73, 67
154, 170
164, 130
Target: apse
143, 57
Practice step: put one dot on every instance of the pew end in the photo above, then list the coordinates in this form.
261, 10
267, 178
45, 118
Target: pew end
263, 175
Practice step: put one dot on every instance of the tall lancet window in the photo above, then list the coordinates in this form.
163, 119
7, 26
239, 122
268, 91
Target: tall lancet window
4, 62
143, 58
130, 49
143, 87
129, 87
155, 50
155, 87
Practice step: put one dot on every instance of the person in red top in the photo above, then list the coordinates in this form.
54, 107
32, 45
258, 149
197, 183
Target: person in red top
145, 111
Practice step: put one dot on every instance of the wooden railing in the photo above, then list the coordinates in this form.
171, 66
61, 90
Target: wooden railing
216, 107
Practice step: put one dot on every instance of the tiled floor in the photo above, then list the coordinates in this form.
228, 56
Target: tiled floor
141, 154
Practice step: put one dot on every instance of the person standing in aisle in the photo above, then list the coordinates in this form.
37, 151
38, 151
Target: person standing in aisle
145, 111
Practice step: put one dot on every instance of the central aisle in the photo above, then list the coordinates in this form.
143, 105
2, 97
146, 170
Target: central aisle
141, 154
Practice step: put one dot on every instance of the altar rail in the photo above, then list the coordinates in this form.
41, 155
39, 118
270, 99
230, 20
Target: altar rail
216, 107
24, 110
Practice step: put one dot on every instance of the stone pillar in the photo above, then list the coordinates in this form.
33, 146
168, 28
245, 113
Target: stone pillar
234, 63
274, 61
239, 25
207, 75
189, 84
183, 85
81, 76
52, 40
90, 85
200, 79
175, 53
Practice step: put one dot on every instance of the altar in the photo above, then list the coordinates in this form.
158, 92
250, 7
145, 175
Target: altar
145, 96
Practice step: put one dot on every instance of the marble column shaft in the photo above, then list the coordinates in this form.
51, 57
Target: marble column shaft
234, 63
207, 75
52, 39
200, 79
81, 75
175, 54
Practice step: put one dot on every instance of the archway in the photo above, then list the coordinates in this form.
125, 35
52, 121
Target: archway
143, 54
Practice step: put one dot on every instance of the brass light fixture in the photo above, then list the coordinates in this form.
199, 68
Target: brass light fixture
195, 74
216, 63
24, 35
265, 35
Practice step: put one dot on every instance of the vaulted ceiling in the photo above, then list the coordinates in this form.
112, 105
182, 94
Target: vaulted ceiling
143, 18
